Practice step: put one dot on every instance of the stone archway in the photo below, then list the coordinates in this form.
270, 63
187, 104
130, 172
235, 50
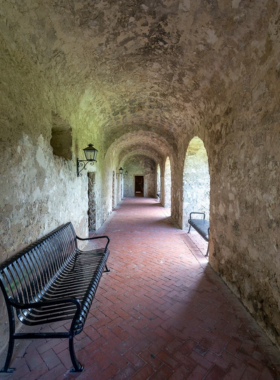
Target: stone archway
158, 182
167, 184
196, 181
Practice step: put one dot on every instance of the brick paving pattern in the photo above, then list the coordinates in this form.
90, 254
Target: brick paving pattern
161, 313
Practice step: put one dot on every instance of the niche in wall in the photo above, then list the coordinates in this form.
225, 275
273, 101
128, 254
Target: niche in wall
61, 140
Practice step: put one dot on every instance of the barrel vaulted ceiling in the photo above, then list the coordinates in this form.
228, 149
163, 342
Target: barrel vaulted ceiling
146, 69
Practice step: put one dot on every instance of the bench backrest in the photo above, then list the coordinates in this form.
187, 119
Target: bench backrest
26, 276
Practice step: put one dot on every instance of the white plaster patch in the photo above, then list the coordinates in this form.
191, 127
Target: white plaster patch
255, 160
36, 194
231, 196
40, 157
86, 100
211, 36
221, 209
237, 210
201, 47
185, 5
144, 7
235, 4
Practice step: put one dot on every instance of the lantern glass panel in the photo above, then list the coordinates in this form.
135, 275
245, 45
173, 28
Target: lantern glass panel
90, 153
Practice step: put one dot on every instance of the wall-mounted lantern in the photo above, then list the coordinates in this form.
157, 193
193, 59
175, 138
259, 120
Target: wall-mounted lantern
90, 154
121, 172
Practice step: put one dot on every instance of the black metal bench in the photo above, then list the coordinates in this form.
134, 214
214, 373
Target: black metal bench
201, 226
52, 280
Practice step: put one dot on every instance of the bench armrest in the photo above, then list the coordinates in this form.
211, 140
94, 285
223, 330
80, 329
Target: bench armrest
40, 304
201, 213
97, 237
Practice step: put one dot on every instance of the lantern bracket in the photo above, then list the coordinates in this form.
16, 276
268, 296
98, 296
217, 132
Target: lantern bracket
81, 165
90, 154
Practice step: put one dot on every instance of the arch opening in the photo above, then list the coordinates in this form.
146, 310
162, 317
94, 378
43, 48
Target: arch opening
196, 181
113, 190
167, 184
141, 170
158, 183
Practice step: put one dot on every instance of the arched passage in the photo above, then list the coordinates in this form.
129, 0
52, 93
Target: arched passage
141, 178
196, 181
113, 190
158, 182
167, 183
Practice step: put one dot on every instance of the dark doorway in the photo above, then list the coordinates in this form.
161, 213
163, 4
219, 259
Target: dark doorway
139, 186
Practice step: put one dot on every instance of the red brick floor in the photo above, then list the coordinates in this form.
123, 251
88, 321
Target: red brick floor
161, 313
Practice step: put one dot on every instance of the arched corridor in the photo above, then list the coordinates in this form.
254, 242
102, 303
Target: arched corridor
161, 312
104, 105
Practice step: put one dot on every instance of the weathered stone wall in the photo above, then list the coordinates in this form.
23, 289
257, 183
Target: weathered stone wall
245, 214
196, 181
140, 165
39, 190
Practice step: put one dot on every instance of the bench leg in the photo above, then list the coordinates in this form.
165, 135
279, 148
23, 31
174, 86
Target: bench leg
77, 366
9, 357
107, 270
11, 342
207, 253
189, 229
